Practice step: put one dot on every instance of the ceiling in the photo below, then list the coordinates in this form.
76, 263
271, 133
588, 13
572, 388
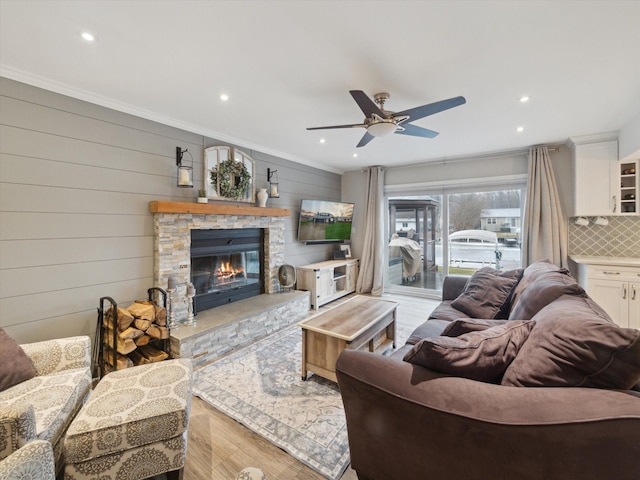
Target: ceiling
288, 65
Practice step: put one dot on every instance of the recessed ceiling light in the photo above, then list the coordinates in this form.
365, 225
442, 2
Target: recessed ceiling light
224, 97
355, 155
322, 140
520, 129
525, 98
88, 37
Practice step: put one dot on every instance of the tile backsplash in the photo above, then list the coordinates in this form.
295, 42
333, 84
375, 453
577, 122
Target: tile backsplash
621, 238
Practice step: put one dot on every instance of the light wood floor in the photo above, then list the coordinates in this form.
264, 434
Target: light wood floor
219, 447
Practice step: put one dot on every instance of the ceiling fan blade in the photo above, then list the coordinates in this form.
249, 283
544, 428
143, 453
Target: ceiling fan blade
431, 108
365, 139
338, 126
367, 105
417, 131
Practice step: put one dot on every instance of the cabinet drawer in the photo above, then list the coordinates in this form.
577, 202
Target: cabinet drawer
614, 273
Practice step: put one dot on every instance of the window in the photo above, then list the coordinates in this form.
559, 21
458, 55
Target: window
453, 231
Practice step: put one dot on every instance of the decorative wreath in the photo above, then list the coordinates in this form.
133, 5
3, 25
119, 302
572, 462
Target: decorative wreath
227, 170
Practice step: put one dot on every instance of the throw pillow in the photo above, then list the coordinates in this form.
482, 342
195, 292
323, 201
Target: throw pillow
530, 274
465, 325
574, 345
542, 291
486, 291
481, 355
15, 366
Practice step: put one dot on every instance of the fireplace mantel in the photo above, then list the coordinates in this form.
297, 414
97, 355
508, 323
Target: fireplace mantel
208, 209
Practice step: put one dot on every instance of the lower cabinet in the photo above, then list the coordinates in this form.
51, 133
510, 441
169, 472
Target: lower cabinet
616, 289
328, 281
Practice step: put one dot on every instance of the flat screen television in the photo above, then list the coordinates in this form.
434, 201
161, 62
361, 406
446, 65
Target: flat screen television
324, 221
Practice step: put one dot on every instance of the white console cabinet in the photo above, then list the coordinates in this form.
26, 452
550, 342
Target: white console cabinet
328, 281
614, 286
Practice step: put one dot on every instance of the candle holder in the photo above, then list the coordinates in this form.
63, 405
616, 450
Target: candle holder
172, 314
191, 292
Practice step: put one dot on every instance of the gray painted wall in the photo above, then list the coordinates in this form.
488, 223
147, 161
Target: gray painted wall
76, 180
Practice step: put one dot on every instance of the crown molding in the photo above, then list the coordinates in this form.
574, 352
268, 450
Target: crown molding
90, 97
595, 138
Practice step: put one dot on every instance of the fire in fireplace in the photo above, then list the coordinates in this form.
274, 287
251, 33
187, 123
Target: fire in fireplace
226, 265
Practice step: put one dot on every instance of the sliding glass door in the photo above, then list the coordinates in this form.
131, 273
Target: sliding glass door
451, 231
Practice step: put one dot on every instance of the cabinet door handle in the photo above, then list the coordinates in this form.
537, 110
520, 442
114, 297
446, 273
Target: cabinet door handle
624, 292
633, 292
614, 204
611, 273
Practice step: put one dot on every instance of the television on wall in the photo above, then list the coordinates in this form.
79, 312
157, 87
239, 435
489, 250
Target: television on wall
325, 221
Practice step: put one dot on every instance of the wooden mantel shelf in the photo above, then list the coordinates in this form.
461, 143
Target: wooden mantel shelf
209, 209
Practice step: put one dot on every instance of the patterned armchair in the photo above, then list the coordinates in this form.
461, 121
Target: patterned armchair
42, 408
33, 460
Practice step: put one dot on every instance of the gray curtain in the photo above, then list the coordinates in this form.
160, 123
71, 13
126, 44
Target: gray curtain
545, 231
370, 278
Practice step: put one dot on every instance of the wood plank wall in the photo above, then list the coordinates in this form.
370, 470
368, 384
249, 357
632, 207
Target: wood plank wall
76, 180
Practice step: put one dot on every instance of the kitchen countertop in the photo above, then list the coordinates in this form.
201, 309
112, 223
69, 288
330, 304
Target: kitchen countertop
617, 261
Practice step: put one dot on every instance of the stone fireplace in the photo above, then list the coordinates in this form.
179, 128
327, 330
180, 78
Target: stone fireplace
172, 242
233, 324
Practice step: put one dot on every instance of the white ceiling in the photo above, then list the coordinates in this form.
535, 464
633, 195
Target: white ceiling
288, 65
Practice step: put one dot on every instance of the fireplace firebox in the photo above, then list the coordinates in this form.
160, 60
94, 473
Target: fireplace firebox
226, 265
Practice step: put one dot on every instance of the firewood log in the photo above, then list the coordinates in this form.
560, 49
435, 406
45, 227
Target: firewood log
161, 316
138, 359
158, 332
130, 333
142, 324
124, 345
153, 354
125, 319
143, 340
121, 360
143, 309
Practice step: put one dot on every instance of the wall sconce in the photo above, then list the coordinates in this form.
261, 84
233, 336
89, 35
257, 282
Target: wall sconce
185, 172
273, 185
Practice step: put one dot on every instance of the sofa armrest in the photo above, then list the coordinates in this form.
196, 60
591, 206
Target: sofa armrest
60, 354
35, 459
405, 421
453, 285
17, 428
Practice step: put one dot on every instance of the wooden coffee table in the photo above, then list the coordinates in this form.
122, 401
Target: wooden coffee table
360, 323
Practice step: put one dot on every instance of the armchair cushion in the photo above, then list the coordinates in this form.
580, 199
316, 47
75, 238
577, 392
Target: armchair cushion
15, 366
34, 460
481, 355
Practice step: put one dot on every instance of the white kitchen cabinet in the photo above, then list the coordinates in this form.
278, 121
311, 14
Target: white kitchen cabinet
328, 281
627, 199
615, 288
596, 177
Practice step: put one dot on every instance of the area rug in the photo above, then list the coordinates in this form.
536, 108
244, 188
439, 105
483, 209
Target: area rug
261, 387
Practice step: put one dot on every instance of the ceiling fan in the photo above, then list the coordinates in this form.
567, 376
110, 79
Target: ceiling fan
380, 122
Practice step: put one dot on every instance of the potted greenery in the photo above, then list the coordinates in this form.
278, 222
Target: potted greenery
202, 196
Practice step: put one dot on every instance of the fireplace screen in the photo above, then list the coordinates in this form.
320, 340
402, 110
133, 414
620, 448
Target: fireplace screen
226, 265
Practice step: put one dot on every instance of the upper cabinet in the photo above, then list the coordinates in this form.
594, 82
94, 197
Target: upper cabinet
596, 174
629, 187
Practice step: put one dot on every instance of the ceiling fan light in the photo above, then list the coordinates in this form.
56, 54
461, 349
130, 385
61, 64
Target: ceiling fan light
381, 129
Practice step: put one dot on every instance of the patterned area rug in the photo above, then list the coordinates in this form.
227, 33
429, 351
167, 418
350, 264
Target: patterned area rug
260, 386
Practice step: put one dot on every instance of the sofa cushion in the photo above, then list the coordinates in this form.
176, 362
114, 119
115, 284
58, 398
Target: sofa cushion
445, 311
574, 343
430, 328
546, 288
486, 292
15, 366
530, 274
480, 355
465, 325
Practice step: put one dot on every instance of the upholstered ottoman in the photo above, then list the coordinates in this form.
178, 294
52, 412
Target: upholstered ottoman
133, 426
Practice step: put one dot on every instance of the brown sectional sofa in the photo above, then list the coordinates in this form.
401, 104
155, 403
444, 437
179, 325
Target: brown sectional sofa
559, 404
